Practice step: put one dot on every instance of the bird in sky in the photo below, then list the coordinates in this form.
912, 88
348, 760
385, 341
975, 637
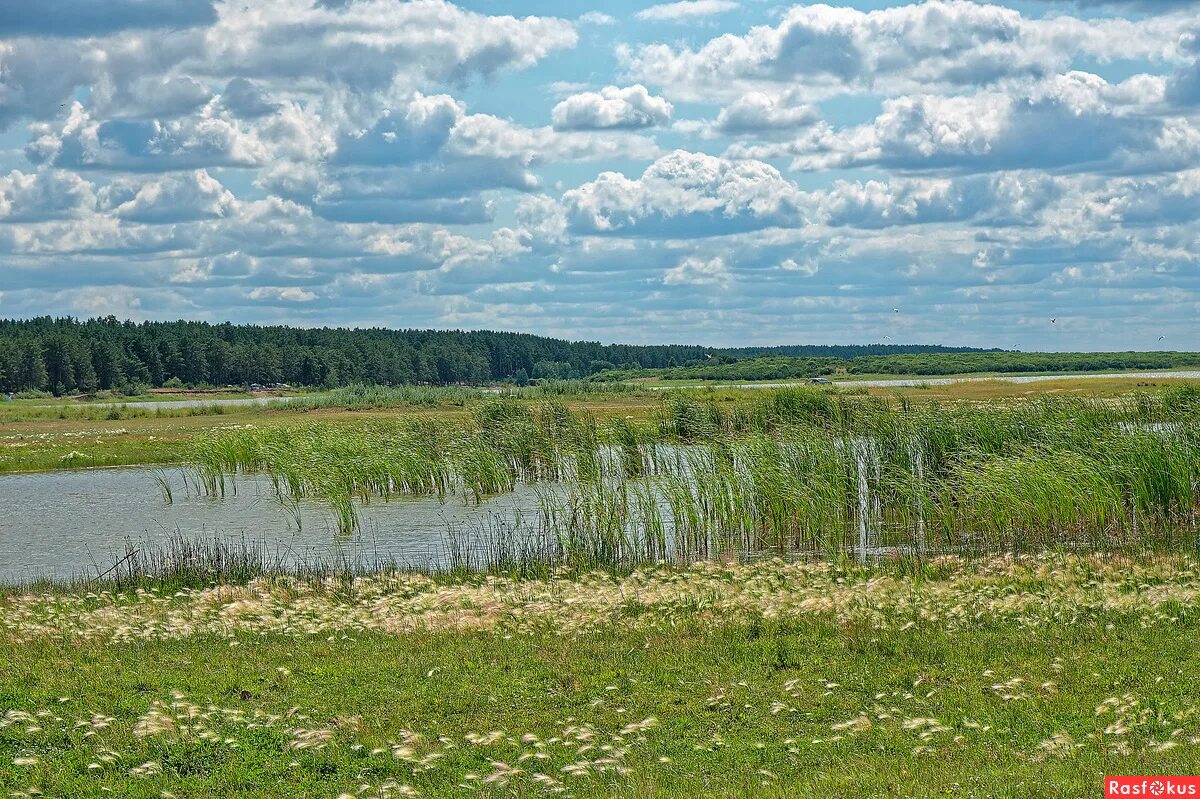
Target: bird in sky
1053, 320
1160, 338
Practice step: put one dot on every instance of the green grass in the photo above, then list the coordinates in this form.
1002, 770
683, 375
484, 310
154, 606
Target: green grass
856, 377
106, 411
200, 672
80, 436
38, 436
794, 470
781, 367
107, 450
712, 691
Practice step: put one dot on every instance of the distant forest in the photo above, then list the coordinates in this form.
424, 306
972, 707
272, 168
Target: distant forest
914, 363
66, 355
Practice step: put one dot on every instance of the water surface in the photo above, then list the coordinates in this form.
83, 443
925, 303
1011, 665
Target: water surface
66, 524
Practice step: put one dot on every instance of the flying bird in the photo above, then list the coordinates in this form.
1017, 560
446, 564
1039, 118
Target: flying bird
895, 310
1053, 320
1160, 338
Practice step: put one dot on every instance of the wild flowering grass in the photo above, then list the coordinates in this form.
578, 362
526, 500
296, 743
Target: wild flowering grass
809, 668
176, 736
176, 733
946, 593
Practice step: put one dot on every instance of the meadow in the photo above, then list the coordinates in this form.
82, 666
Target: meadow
766, 365
42, 434
800, 592
1027, 676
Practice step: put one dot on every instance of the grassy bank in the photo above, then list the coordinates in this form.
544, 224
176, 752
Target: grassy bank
86, 436
999, 678
35, 437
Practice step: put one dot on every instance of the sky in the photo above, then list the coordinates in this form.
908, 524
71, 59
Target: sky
719, 172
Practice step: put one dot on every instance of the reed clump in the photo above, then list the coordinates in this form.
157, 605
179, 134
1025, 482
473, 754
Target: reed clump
368, 397
181, 562
791, 472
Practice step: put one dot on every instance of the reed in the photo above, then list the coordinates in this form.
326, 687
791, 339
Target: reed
367, 397
183, 563
792, 472
506, 442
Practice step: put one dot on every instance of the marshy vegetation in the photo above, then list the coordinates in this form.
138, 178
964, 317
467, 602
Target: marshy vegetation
371, 397
788, 364
798, 472
586, 670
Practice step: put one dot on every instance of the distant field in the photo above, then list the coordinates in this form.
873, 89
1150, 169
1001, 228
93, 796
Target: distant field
964, 386
895, 376
778, 368
35, 439
37, 436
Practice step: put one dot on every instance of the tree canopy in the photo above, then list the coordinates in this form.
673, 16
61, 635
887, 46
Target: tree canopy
67, 355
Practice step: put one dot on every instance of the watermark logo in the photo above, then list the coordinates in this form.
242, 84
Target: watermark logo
1151, 786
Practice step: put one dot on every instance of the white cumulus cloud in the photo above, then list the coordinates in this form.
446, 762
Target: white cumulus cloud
693, 271
173, 198
612, 108
686, 195
43, 195
930, 45
685, 10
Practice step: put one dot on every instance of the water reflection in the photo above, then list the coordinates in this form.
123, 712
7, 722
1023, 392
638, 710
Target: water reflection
63, 524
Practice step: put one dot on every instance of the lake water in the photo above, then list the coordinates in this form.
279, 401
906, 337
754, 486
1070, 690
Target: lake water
64, 524
167, 405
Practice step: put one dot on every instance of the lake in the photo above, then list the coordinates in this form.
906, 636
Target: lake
64, 524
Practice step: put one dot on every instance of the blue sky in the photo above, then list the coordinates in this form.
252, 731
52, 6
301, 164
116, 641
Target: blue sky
710, 171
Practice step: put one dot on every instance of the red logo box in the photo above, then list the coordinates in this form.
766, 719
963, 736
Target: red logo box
1151, 786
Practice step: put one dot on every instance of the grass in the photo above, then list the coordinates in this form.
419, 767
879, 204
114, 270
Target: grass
560, 654
996, 678
563, 656
66, 437
796, 471
983, 376
79, 436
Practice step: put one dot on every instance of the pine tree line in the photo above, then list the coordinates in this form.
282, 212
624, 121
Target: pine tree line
66, 355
